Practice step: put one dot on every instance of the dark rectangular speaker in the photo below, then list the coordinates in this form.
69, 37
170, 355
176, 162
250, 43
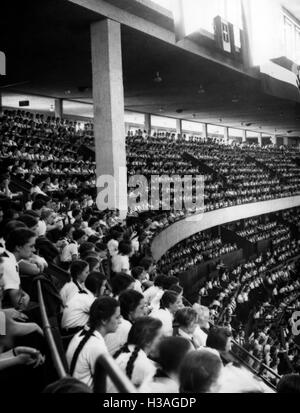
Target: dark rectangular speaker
23, 103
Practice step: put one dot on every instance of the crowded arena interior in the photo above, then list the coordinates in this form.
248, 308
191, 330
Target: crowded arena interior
181, 274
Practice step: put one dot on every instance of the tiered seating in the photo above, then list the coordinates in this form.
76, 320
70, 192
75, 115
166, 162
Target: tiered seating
198, 248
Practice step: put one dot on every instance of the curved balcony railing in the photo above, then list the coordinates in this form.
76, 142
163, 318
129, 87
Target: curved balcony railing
193, 224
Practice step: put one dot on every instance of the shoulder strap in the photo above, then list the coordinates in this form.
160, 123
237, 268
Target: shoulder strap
81, 290
86, 336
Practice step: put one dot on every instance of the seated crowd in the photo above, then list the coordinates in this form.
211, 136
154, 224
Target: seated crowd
107, 295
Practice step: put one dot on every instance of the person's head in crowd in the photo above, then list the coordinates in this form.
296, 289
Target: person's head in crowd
32, 214
290, 383
86, 247
79, 270
132, 305
45, 199
104, 317
96, 283
170, 301
77, 214
11, 214
67, 385
21, 242
139, 274
121, 282
169, 281
30, 222
101, 249
67, 231
37, 206
94, 223
93, 239
79, 236
125, 248
177, 289
203, 315
48, 215
200, 372
116, 235
160, 281
145, 334
148, 264
171, 352
186, 319
11, 226
94, 263
219, 338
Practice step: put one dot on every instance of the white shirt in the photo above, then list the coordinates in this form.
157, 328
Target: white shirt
120, 263
138, 286
150, 293
143, 369
200, 336
11, 277
85, 366
114, 341
155, 303
69, 290
166, 318
160, 385
42, 228
238, 379
68, 252
76, 313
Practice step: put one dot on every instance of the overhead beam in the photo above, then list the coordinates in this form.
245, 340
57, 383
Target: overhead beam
108, 10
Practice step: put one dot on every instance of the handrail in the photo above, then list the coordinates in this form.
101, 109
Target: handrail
49, 336
260, 365
106, 365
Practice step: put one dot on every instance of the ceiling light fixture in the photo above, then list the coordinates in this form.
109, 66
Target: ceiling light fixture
201, 90
158, 78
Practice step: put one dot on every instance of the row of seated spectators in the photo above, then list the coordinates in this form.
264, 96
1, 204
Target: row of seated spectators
236, 176
199, 248
261, 228
291, 217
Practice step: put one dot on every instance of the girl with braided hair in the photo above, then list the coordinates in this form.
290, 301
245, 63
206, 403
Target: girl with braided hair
133, 358
87, 345
132, 306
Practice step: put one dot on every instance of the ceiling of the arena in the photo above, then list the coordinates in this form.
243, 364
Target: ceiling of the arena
48, 54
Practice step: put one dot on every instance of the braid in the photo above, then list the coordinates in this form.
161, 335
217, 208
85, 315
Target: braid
123, 349
133, 357
78, 350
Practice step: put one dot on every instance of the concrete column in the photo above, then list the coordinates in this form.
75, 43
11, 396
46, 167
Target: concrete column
286, 140
179, 127
226, 134
244, 137
109, 127
260, 139
0, 101
58, 108
148, 123
273, 139
204, 130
